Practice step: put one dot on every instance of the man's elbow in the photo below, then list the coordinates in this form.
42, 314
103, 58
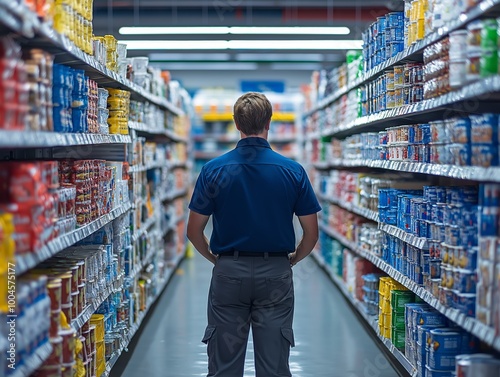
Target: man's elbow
190, 232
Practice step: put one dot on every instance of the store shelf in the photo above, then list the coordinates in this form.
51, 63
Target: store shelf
474, 173
27, 139
142, 263
412, 52
150, 166
78, 322
135, 327
169, 196
33, 362
144, 128
483, 332
228, 117
477, 91
371, 320
365, 212
43, 36
418, 242
144, 227
28, 261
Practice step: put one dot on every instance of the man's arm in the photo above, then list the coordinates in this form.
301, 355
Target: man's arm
196, 226
309, 225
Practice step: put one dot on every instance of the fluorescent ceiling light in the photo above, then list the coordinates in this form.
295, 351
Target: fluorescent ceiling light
280, 57
186, 56
211, 66
245, 45
217, 30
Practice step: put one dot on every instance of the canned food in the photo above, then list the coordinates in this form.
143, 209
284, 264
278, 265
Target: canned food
398, 76
54, 292
55, 357
55, 323
68, 345
67, 310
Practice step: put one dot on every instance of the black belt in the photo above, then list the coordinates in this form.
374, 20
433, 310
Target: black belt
253, 254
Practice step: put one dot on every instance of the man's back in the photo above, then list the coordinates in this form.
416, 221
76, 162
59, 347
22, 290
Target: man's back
253, 193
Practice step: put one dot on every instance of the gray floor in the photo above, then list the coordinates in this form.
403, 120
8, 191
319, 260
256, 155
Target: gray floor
330, 341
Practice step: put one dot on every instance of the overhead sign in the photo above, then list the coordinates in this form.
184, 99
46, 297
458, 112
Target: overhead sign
263, 86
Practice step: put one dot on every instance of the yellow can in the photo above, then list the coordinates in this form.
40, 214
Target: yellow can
420, 28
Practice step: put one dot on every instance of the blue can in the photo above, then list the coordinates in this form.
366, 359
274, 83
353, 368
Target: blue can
461, 131
469, 237
395, 19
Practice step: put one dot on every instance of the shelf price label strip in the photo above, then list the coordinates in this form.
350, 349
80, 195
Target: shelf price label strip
28, 261
417, 48
54, 139
364, 212
152, 131
473, 173
483, 332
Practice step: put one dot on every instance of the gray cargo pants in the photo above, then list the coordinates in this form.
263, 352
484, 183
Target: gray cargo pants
256, 291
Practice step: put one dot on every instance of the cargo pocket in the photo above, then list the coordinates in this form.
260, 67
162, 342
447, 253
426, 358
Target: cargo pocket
286, 342
209, 332
209, 340
288, 335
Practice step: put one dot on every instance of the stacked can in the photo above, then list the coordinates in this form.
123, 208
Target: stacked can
477, 365
102, 110
371, 293
73, 19
484, 140
482, 49
93, 126
420, 318
118, 106
399, 298
444, 345
97, 331
488, 263
39, 81
109, 44
383, 39
415, 23
458, 58
436, 69
386, 286
337, 258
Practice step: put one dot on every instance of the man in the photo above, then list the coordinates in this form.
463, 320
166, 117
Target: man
252, 194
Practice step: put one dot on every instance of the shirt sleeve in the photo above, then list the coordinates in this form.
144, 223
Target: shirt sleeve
201, 201
307, 203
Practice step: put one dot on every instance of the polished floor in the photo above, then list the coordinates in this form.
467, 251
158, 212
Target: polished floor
330, 340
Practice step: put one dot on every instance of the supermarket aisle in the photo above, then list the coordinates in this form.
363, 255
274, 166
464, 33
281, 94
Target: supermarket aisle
330, 341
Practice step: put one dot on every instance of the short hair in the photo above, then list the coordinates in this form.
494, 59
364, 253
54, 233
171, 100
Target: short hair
252, 112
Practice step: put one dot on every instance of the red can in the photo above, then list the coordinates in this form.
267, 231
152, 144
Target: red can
83, 353
67, 309
82, 298
75, 305
68, 346
65, 288
54, 291
86, 327
88, 351
55, 323
55, 357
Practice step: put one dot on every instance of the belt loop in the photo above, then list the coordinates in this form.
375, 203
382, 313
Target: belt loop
266, 256
236, 255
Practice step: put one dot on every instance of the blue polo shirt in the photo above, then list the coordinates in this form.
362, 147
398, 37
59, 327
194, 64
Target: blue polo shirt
252, 193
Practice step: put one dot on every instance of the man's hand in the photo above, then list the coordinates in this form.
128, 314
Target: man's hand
195, 228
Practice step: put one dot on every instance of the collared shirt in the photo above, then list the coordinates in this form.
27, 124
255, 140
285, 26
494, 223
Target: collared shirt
252, 193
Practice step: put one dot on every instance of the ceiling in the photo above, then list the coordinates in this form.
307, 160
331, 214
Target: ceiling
111, 15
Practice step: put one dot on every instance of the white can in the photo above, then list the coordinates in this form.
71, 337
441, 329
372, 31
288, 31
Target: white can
458, 45
458, 73
483, 365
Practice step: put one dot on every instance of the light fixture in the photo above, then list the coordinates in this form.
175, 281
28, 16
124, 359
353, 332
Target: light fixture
217, 30
244, 45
